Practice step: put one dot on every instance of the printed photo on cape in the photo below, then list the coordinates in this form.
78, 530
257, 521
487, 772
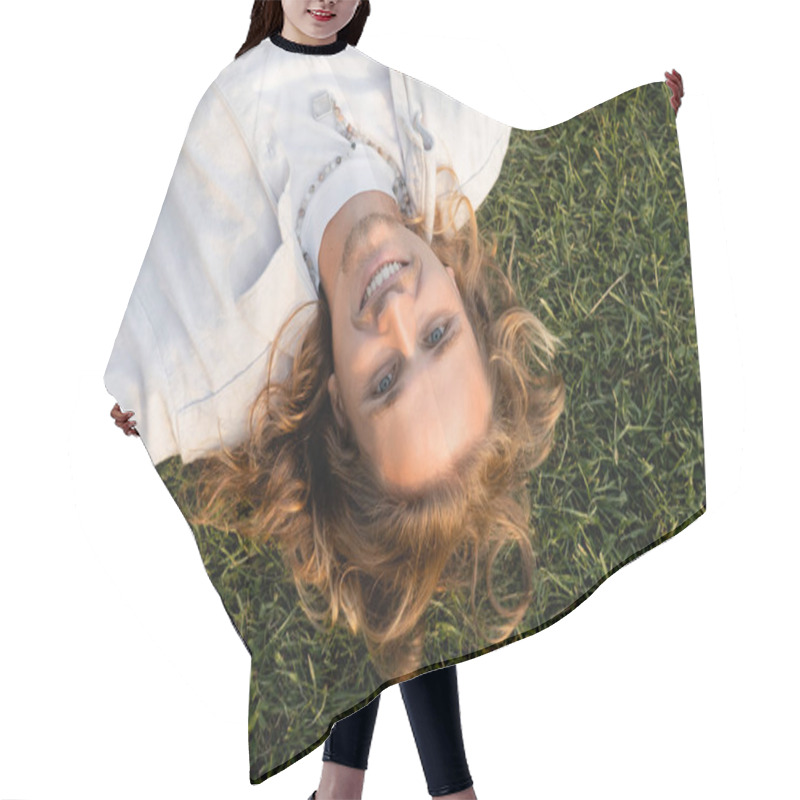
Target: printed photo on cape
418, 381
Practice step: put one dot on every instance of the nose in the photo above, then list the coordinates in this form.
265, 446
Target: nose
397, 322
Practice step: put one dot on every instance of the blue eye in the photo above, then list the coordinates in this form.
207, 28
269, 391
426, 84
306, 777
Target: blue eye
385, 383
437, 334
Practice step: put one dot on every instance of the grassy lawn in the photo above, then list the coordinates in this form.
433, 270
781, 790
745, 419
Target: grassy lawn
593, 211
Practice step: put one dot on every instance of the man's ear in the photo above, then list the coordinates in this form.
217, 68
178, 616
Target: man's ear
336, 401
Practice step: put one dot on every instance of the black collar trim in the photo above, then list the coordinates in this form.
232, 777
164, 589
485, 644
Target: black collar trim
308, 49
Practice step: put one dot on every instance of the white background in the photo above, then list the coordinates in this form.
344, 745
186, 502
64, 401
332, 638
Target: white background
120, 674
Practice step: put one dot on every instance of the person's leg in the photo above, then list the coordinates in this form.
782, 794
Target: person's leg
345, 755
433, 711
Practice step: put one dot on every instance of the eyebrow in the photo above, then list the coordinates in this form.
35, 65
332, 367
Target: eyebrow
382, 406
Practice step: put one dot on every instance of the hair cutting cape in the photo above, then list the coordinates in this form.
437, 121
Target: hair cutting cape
589, 221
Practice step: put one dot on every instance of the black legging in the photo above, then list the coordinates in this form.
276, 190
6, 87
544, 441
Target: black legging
432, 707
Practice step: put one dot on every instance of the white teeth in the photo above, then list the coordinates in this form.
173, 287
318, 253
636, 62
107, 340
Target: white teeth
384, 273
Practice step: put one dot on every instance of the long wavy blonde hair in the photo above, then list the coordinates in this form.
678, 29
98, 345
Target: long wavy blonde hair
359, 553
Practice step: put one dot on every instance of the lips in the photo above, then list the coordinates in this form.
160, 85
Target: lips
381, 278
380, 260
322, 16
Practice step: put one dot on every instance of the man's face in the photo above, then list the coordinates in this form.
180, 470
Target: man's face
408, 374
316, 22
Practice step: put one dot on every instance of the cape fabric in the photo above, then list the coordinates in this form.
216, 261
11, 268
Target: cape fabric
590, 216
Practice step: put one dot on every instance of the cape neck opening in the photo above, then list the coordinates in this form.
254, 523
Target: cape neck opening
308, 49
